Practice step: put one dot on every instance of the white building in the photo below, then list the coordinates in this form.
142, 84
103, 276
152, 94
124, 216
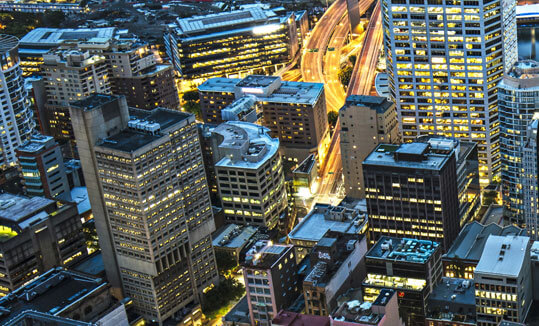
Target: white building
503, 280
16, 123
518, 95
444, 62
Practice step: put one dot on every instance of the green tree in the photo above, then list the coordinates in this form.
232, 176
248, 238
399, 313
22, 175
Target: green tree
219, 297
194, 108
345, 75
489, 197
333, 116
190, 96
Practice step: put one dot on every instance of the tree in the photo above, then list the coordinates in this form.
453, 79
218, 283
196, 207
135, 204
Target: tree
225, 261
333, 116
345, 75
489, 197
220, 296
352, 59
190, 96
194, 108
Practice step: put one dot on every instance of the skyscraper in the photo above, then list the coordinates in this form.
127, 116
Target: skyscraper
150, 200
529, 182
518, 93
444, 61
16, 123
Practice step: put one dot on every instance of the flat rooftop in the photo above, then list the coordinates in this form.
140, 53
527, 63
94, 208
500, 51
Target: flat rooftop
233, 236
471, 240
288, 318
264, 254
257, 81
306, 166
503, 255
36, 143
51, 37
380, 104
16, 209
94, 101
244, 145
359, 312
132, 139
323, 218
51, 292
407, 155
224, 20
405, 249
453, 299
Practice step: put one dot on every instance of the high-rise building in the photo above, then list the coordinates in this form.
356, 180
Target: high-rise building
365, 122
412, 191
444, 61
529, 183
42, 168
233, 43
71, 75
409, 266
16, 123
150, 200
36, 234
249, 173
135, 73
503, 281
295, 112
518, 93
271, 280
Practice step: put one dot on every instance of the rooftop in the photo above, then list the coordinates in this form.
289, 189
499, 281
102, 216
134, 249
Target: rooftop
20, 212
405, 249
356, 311
244, 145
503, 255
50, 293
222, 21
324, 217
239, 313
91, 265
258, 81
471, 240
306, 166
380, 104
407, 155
233, 236
265, 254
144, 128
80, 196
288, 318
453, 300
36, 143
94, 101
51, 37
8, 42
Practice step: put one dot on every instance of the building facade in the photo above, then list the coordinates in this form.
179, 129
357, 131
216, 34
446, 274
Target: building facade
42, 168
409, 266
365, 122
503, 281
150, 200
529, 183
249, 173
412, 191
271, 281
16, 123
36, 235
234, 43
444, 61
517, 96
295, 112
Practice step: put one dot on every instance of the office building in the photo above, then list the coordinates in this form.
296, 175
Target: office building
233, 43
250, 175
135, 73
445, 61
231, 239
337, 262
302, 25
271, 281
71, 75
517, 94
42, 167
16, 123
503, 281
383, 311
452, 303
243, 109
62, 297
150, 201
529, 181
462, 258
36, 234
365, 122
412, 191
409, 266
321, 219
295, 112
42, 7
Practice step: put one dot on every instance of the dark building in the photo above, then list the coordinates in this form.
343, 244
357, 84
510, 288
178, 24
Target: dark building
409, 266
36, 234
412, 191
463, 256
452, 303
